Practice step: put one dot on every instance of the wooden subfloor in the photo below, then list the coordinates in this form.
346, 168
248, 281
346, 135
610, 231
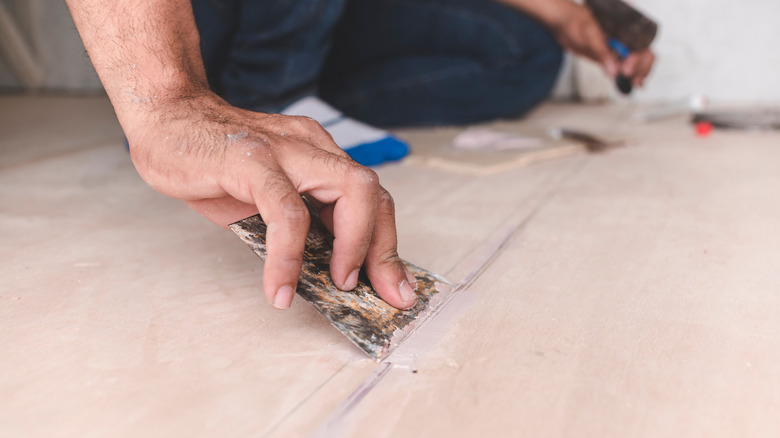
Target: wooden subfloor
638, 297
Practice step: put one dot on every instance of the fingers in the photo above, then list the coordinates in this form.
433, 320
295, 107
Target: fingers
353, 223
348, 193
644, 64
301, 158
637, 66
599, 51
361, 215
287, 221
223, 211
388, 275
628, 65
584, 37
376, 248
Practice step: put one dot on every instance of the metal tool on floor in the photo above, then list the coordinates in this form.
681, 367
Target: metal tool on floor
628, 30
590, 141
694, 103
360, 314
762, 119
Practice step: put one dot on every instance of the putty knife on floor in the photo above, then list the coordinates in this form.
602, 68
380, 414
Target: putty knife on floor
367, 320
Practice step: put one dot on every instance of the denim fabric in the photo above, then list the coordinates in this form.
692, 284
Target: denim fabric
265, 54
392, 63
427, 62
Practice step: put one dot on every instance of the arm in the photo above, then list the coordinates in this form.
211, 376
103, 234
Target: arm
576, 30
228, 163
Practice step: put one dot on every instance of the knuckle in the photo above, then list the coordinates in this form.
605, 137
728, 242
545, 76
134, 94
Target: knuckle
386, 201
306, 124
279, 191
275, 185
363, 176
295, 212
289, 260
334, 163
389, 256
325, 141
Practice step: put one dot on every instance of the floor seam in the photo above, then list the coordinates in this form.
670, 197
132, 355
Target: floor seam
331, 425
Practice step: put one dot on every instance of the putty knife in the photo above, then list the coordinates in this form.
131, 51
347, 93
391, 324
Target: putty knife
368, 321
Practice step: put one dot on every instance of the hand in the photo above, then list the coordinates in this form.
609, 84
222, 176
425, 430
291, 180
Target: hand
577, 30
637, 66
228, 163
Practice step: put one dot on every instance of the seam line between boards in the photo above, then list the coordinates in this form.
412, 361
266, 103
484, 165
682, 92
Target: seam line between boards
342, 411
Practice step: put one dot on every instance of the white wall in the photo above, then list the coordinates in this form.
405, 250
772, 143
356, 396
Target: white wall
725, 49
53, 38
6, 78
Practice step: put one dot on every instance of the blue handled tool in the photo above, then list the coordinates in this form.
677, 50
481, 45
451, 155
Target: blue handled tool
628, 31
623, 83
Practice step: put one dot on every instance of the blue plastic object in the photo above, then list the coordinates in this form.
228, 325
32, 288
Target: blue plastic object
619, 48
378, 152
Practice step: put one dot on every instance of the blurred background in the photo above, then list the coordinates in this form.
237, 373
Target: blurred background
723, 49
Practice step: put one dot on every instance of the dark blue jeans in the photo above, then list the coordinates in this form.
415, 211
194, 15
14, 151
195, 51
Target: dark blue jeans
386, 62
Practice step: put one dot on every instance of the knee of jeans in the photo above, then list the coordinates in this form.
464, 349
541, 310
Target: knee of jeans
545, 53
529, 81
540, 59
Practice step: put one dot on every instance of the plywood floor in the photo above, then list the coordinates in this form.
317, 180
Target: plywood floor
639, 295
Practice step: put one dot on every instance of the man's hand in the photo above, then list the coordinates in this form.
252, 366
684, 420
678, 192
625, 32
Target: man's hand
228, 163
637, 66
577, 30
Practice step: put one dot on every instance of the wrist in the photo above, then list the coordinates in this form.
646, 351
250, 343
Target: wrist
154, 104
173, 136
564, 13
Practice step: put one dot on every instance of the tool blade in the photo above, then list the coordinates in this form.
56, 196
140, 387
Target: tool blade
360, 314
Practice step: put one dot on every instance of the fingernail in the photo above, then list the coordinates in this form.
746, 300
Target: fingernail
283, 297
352, 280
407, 294
411, 279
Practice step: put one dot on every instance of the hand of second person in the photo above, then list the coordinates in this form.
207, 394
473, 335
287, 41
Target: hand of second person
228, 163
637, 66
578, 31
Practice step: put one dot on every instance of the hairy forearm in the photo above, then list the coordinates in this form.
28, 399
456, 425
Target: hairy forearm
145, 52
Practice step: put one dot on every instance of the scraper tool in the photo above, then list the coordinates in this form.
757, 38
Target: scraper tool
360, 314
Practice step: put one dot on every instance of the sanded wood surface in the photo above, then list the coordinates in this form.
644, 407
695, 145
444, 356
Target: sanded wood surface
639, 298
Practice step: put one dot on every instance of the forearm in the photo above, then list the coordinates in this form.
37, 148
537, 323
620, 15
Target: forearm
145, 52
551, 13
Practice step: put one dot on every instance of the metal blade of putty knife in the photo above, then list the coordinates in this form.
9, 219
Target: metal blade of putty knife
360, 315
